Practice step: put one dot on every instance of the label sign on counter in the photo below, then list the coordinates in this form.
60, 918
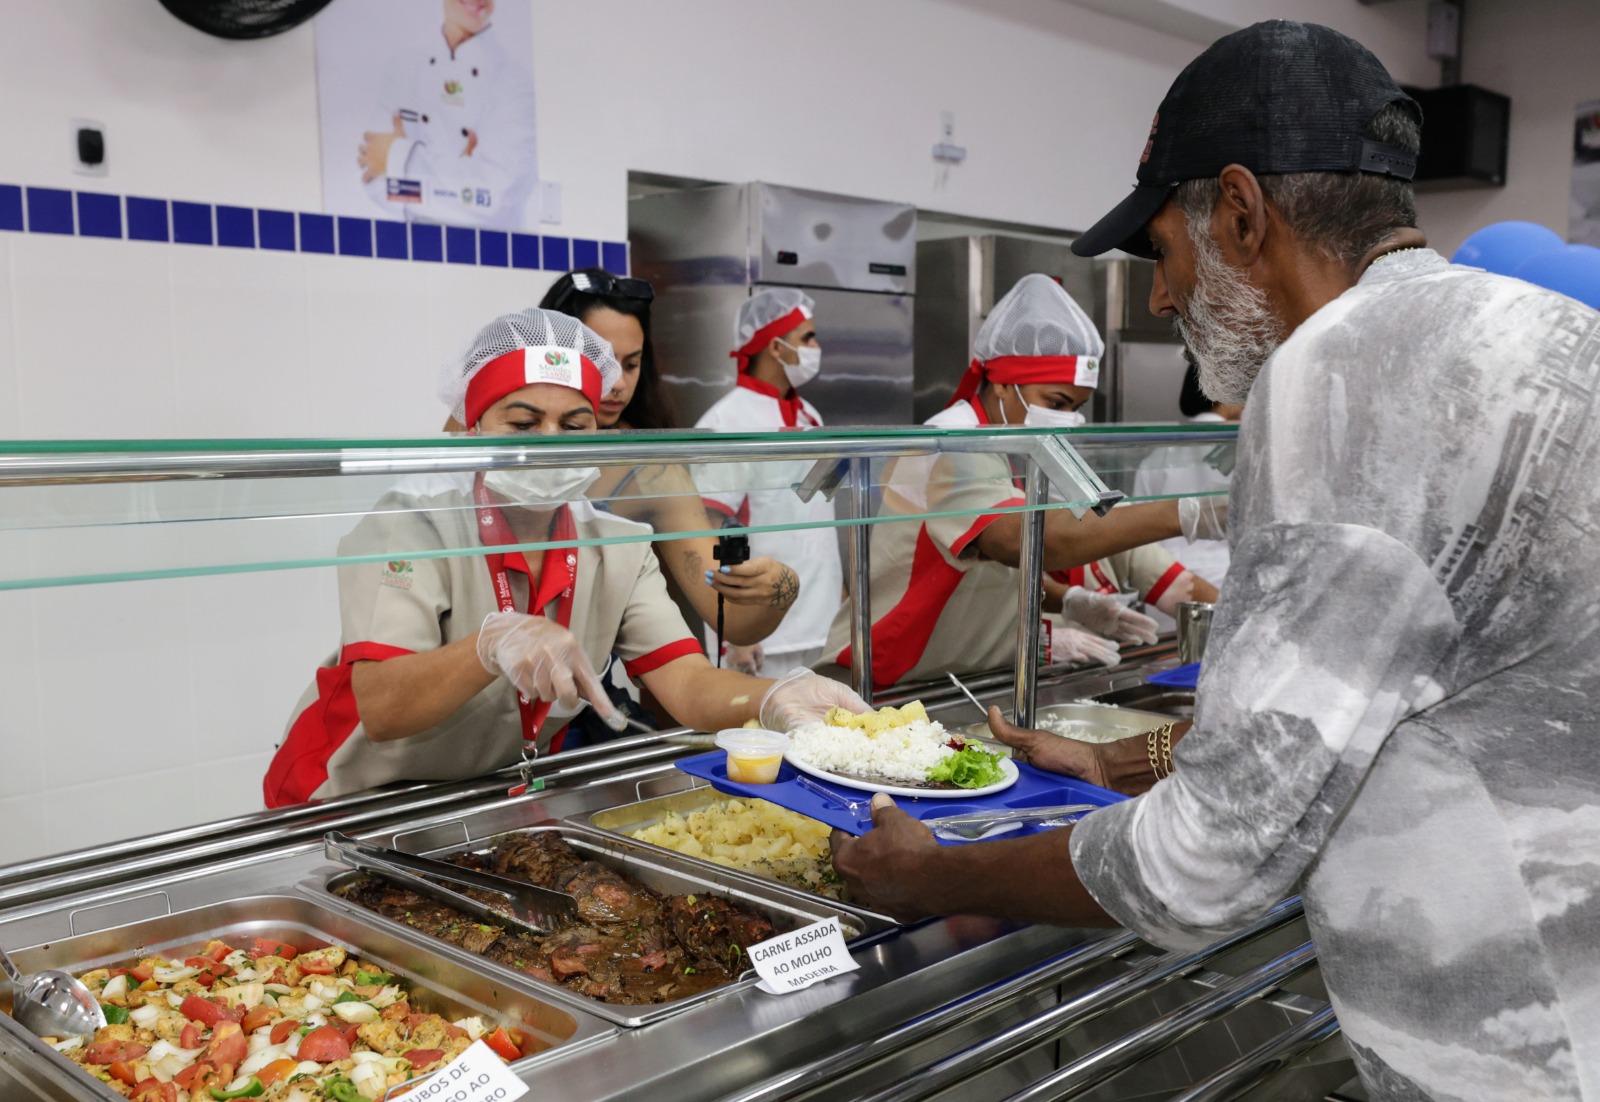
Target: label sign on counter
477, 1075
800, 958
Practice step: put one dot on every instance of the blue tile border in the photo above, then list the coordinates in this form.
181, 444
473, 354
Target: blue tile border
65, 212
50, 210
99, 215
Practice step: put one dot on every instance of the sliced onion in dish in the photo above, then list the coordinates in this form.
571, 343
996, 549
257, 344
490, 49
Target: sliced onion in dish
116, 988
357, 1012
173, 975
144, 1016
68, 1044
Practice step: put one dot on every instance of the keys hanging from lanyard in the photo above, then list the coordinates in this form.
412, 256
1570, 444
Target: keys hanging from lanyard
730, 551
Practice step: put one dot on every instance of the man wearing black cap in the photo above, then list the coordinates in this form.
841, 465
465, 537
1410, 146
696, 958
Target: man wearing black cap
1398, 714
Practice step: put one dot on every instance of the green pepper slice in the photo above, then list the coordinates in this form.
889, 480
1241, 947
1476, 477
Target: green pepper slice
251, 1089
115, 1015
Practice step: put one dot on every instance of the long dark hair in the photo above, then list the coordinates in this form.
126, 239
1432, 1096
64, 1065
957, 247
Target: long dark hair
648, 408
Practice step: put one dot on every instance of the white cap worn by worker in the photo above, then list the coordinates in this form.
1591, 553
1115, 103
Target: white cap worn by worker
1035, 334
517, 350
774, 313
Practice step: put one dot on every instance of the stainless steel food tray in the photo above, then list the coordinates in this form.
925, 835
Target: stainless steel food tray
1101, 722
658, 869
439, 985
619, 820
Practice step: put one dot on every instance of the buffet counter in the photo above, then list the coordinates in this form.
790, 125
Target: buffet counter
956, 1007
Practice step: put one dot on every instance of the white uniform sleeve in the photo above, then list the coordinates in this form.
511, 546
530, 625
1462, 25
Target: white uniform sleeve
1331, 635
724, 487
496, 175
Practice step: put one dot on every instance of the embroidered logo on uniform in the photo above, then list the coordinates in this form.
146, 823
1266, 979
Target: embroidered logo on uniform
453, 88
555, 358
481, 197
397, 574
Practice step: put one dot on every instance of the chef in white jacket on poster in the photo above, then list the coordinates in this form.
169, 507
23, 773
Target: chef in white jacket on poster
460, 144
777, 353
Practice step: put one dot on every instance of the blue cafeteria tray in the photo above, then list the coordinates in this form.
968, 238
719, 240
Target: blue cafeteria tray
1183, 677
1034, 788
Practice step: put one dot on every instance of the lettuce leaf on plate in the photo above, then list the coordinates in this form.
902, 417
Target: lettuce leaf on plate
968, 768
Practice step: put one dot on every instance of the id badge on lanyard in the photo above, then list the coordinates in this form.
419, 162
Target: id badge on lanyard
496, 531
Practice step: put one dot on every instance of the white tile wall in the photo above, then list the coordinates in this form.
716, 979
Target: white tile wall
20, 734
92, 324
10, 411
239, 343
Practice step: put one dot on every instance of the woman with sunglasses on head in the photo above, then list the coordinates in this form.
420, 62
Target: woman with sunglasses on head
756, 594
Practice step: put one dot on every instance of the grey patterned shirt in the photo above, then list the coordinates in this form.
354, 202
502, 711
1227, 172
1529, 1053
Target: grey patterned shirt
1399, 715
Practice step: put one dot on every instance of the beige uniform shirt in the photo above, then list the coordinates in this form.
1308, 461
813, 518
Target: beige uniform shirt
406, 603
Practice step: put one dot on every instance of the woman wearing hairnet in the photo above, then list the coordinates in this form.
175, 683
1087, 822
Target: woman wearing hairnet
453, 666
944, 592
778, 353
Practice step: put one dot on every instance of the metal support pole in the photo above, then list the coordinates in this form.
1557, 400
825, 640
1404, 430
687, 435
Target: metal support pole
1030, 576
861, 578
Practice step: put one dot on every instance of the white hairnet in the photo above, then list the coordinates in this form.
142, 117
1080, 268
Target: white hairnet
762, 310
1037, 318
532, 328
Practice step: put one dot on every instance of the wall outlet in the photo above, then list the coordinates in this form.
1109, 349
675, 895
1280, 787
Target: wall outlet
550, 202
89, 147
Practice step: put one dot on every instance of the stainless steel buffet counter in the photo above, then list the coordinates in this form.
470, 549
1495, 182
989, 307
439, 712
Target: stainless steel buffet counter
960, 1007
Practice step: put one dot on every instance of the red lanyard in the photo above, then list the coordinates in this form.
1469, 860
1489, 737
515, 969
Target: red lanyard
558, 577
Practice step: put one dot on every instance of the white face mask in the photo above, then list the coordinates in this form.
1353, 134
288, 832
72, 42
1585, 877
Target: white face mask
525, 486
1043, 417
805, 369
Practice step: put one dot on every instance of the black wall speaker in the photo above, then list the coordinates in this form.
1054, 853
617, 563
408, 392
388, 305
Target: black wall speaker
1464, 133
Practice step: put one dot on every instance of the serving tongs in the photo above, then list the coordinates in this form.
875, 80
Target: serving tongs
533, 909
973, 825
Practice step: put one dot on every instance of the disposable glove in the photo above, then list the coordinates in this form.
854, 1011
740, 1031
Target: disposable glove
544, 661
805, 697
1071, 647
1103, 614
1203, 518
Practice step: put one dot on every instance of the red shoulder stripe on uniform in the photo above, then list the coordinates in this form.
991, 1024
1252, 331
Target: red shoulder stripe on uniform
1164, 583
659, 657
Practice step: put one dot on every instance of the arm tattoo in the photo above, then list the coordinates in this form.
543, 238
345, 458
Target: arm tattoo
785, 589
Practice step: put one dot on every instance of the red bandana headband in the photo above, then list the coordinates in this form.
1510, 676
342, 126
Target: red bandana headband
1073, 370
525, 366
791, 320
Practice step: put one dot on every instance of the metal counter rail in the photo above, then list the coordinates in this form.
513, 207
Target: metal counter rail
1138, 981
939, 1020
73, 872
1256, 1065
1111, 1060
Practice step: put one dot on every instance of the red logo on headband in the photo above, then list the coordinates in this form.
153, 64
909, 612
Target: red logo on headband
555, 358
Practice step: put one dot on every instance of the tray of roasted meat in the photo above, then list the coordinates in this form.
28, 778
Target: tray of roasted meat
244, 996
656, 934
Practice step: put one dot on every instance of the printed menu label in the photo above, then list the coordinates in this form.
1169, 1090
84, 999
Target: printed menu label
477, 1075
800, 958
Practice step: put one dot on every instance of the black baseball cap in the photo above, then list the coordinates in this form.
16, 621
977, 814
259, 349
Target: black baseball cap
1276, 97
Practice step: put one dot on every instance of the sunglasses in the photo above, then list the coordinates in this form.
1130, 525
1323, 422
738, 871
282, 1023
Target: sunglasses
604, 284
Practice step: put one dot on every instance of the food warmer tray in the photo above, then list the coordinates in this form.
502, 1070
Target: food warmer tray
1100, 722
658, 869
438, 984
622, 819
847, 808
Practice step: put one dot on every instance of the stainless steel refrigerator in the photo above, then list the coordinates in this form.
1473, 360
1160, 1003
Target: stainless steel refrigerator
707, 249
961, 278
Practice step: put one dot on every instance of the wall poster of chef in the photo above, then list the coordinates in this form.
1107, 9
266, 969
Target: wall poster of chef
427, 111
1585, 224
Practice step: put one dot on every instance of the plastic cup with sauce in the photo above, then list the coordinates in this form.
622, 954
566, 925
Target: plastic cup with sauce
754, 755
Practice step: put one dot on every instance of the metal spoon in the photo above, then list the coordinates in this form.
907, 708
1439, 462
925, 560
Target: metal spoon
52, 1004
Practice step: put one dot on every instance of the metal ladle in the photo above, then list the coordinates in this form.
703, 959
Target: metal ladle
52, 1003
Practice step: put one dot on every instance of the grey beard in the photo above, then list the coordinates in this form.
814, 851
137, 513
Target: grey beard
1226, 325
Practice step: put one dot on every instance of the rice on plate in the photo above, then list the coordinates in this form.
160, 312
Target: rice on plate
896, 744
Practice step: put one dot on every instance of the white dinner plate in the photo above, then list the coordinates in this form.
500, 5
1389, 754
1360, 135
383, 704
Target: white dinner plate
1007, 767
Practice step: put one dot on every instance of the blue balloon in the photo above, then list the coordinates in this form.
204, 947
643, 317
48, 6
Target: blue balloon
1500, 248
1573, 270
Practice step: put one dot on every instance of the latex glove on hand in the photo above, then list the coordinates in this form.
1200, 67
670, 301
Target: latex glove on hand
744, 659
1103, 614
544, 661
805, 697
1071, 647
1203, 518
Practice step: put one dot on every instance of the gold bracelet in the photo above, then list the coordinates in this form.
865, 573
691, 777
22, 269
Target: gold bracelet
1160, 763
